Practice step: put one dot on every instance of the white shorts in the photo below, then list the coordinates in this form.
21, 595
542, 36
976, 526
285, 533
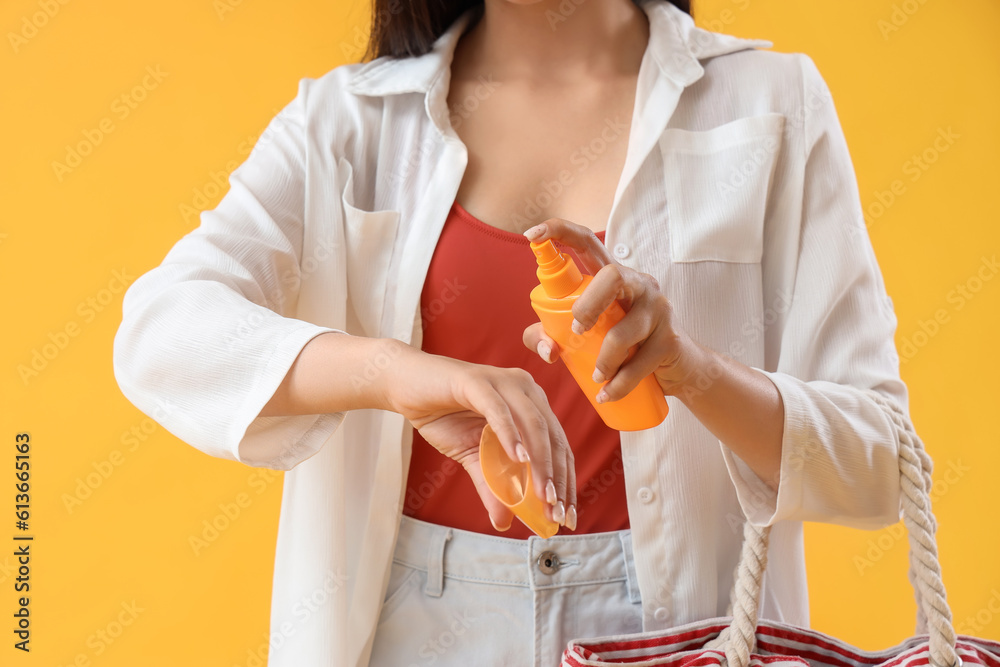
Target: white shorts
457, 597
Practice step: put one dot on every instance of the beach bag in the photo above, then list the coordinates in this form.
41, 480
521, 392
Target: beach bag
743, 640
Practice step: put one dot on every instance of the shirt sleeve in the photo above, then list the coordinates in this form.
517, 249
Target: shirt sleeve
205, 337
839, 449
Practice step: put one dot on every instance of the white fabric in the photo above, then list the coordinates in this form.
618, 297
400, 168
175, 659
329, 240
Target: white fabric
738, 195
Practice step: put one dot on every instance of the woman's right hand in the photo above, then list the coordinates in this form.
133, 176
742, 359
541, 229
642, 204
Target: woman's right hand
450, 402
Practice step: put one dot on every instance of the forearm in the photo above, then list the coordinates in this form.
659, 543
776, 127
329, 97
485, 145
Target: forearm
740, 406
335, 372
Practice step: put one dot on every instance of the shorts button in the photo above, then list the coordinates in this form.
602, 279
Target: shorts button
548, 562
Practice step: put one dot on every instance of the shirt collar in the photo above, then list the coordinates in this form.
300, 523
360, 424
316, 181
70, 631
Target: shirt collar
676, 43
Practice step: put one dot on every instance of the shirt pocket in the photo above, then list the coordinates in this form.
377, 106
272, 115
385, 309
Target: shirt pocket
717, 184
370, 237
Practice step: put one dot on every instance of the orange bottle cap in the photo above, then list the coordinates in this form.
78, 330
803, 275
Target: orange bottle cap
557, 272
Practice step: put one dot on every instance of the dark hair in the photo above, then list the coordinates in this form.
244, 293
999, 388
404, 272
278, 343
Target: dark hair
403, 28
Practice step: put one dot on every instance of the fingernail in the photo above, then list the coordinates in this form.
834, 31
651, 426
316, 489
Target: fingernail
535, 232
577, 327
550, 493
602, 396
502, 530
571, 517
522, 453
559, 513
598, 376
544, 351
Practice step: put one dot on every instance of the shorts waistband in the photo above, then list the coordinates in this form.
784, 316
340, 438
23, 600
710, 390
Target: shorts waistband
562, 560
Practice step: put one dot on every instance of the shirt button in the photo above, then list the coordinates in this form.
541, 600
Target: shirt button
622, 251
661, 614
548, 562
646, 494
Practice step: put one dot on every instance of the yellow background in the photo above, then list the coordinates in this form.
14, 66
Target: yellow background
227, 68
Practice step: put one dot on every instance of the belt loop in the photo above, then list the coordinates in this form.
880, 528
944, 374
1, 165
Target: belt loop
633, 581
435, 563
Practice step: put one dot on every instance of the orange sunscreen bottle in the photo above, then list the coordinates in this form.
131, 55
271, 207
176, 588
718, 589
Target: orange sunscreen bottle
561, 284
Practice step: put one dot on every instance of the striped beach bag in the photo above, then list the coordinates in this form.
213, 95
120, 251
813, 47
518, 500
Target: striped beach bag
744, 640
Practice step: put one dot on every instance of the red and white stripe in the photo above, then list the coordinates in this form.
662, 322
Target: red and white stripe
778, 645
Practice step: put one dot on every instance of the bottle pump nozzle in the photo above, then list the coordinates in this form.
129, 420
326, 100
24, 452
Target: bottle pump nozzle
557, 272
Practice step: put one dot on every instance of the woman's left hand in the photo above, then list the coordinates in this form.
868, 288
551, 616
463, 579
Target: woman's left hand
663, 348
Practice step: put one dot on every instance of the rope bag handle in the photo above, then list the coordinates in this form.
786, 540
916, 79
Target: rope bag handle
739, 639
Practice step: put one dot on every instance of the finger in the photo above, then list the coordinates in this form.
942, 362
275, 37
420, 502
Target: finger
611, 283
513, 415
621, 342
500, 515
534, 428
485, 399
592, 253
563, 468
570, 489
646, 360
563, 472
536, 339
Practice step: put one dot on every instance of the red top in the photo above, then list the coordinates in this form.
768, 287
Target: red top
475, 307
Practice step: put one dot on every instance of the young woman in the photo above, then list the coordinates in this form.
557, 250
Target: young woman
355, 311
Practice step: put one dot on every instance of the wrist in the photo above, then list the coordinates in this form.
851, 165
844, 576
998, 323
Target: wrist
384, 372
695, 371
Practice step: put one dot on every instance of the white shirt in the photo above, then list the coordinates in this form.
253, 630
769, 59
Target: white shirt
738, 195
